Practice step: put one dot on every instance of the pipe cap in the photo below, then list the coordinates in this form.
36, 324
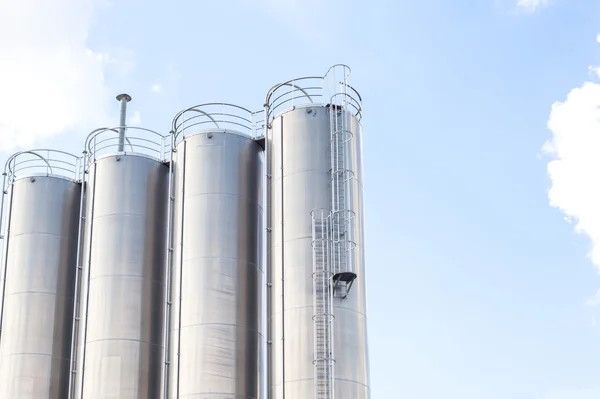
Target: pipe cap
124, 96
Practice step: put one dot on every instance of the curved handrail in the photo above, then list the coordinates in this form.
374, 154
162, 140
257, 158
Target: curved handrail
45, 162
339, 65
289, 83
105, 141
224, 116
308, 90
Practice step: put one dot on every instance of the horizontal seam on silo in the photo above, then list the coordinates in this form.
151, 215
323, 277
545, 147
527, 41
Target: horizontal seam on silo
274, 179
295, 308
312, 379
43, 234
37, 292
141, 216
302, 238
217, 393
291, 240
220, 257
296, 380
32, 353
124, 340
311, 307
245, 198
128, 276
352, 382
223, 324
363, 315
304, 171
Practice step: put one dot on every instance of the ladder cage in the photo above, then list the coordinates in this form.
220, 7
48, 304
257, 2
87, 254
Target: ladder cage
342, 193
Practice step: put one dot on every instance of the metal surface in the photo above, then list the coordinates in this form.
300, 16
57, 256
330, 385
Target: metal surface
300, 158
39, 261
216, 335
169, 264
121, 336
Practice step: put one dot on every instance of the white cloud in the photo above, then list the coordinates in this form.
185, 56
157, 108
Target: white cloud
594, 71
135, 119
156, 88
594, 301
598, 38
51, 83
120, 59
531, 5
575, 148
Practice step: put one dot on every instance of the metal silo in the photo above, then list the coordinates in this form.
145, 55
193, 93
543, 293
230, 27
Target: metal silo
317, 334
217, 272
123, 283
38, 273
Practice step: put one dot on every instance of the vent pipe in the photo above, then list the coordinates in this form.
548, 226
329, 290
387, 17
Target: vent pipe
123, 99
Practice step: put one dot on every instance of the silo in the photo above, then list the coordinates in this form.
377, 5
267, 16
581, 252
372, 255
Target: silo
38, 273
317, 333
120, 351
217, 280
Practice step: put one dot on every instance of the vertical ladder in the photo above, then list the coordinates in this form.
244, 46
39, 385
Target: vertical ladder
333, 245
342, 215
324, 360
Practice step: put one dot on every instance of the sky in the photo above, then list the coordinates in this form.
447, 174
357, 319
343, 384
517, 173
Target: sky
481, 134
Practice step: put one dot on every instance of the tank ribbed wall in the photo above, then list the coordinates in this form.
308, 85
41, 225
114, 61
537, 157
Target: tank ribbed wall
123, 293
42, 216
299, 148
217, 280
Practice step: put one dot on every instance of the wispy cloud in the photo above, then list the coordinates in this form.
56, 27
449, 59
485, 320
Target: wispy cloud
135, 119
531, 5
51, 82
156, 88
594, 71
594, 301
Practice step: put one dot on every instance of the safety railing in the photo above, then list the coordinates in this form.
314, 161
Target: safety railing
339, 91
330, 89
138, 140
217, 117
293, 93
43, 162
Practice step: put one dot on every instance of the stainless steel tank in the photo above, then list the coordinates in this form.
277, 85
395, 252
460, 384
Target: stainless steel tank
39, 267
216, 335
120, 351
315, 353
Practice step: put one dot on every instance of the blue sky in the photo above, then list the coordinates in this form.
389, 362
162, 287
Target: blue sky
479, 288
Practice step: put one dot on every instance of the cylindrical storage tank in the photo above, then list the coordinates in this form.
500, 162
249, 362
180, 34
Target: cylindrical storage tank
315, 353
120, 351
217, 280
39, 268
